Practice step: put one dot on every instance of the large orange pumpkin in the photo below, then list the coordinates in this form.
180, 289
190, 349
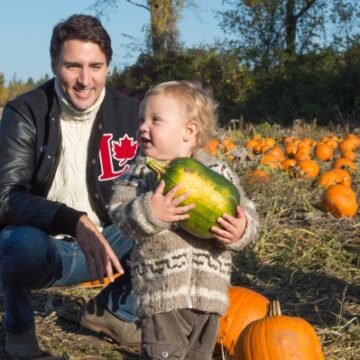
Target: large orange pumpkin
308, 168
245, 306
340, 201
333, 177
279, 337
323, 151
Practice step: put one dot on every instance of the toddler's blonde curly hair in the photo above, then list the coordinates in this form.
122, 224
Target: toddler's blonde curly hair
198, 104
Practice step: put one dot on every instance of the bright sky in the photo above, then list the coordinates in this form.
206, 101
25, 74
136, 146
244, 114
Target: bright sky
26, 26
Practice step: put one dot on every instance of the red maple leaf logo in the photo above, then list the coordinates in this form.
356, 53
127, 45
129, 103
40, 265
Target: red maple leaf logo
124, 149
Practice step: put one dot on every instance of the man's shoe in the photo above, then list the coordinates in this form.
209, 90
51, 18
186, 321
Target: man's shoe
25, 346
42, 356
98, 319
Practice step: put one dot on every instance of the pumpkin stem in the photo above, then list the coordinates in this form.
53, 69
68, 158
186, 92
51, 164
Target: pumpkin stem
159, 167
273, 308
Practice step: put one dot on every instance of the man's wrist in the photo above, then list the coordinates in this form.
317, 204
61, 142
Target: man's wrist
66, 219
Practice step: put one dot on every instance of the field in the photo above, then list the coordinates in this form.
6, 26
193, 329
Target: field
304, 257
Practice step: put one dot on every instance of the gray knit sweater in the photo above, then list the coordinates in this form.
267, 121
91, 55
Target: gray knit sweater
170, 268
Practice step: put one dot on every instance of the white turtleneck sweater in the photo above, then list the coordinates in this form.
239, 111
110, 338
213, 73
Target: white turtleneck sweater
69, 185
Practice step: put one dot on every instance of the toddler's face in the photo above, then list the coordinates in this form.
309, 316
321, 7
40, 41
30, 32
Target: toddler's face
163, 133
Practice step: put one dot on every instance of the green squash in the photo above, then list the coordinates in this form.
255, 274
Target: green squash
212, 194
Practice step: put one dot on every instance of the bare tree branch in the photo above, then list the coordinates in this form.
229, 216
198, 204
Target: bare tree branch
138, 4
309, 4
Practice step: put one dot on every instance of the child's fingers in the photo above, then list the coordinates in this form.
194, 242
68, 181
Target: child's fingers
179, 199
228, 222
184, 209
240, 215
171, 193
217, 234
220, 232
178, 218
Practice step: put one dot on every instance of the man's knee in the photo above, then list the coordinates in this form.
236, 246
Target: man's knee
25, 254
23, 242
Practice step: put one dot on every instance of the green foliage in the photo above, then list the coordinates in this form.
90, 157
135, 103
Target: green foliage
217, 69
318, 85
271, 32
3, 90
16, 87
322, 85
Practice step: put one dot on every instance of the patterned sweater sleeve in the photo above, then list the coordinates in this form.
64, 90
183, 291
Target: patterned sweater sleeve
130, 207
246, 204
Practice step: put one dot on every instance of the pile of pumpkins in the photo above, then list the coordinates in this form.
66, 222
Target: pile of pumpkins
301, 158
254, 329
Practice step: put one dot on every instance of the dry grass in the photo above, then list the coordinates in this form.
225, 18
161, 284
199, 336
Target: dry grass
307, 259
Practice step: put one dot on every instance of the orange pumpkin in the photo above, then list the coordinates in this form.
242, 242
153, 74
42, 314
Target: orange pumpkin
355, 138
347, 145
333, 177
212, 146
332, 141
257, 147
270, 141
342, 163
290, 149
340, 201
258, 175
245, 306
270, 161
289, 165
277, 152
349, 154
323, 151
279, 337
308, 168
303, 152
227, 145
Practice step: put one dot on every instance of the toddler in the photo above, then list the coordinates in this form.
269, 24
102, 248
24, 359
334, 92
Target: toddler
180, 282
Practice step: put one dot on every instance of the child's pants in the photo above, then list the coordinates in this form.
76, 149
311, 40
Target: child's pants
179, 334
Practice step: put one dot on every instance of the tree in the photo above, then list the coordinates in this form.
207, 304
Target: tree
3, 91
276, 31
162, 33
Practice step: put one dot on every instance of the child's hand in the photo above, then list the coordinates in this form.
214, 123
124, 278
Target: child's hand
165, 208
232, 228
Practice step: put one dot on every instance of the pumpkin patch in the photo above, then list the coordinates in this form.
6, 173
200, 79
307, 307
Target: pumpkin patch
313, 200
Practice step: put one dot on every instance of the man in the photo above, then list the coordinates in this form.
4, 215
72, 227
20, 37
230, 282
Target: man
61, 147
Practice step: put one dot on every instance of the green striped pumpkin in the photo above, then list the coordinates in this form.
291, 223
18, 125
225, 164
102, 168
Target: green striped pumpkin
212, 193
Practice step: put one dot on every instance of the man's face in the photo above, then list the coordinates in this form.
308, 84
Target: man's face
81, 70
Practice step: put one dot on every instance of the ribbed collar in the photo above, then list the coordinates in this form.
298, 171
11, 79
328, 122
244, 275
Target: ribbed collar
68, 112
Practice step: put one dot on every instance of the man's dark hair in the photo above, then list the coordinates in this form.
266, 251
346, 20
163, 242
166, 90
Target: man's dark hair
80, 27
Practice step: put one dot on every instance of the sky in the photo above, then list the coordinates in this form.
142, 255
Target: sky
26, 27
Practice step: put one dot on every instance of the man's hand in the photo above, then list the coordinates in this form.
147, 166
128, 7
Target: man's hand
100, 258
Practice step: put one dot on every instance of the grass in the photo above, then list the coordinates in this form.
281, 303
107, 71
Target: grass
306, 259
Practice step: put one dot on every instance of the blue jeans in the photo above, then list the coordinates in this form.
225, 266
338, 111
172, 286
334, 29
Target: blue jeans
31, 259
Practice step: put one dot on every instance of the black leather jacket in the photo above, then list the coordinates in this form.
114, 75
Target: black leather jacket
30, 140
